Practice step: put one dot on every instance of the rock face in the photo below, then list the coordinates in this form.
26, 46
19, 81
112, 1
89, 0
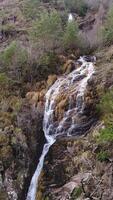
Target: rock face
20, 149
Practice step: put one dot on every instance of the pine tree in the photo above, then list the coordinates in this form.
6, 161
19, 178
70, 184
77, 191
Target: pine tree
71, 35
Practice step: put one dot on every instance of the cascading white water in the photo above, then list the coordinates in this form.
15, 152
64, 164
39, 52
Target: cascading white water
70, 17
73, 86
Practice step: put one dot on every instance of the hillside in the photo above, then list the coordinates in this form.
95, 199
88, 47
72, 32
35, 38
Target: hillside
38, 46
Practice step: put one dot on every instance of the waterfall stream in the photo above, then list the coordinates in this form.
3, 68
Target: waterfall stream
68, 90
70, 17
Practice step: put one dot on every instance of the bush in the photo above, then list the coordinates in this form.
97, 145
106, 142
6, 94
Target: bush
102, 156
3, 80
49, 59
8, 29
7, 55
78, 6
30, 8
106, 135
14, 54
13, 59
76, 193
70, 38
106, 110
108, 28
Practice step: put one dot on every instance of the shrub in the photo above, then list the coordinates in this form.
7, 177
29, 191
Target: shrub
49, 59
108, 28
106, 135
30, 8
3, 79
78, 6
76, 193
14, 59
106, 110
102, 156
14, 54
15, 103
8, 29
8, 53
70, 38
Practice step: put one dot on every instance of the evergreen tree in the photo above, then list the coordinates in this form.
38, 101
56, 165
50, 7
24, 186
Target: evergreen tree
47, 31
71, 35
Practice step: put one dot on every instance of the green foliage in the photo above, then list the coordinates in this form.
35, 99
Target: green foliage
78, 6
76, 193
8, 53
46, 198
108, 28
14, 55
3, 79
102, 156
48, 59
70, 38
13, 61
106, 110
47, 31
49, 26
7, 28
106, 135
17, 105
106, 103
30, 9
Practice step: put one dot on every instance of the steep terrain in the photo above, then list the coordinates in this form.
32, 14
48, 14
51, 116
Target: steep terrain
75, 168
81, 168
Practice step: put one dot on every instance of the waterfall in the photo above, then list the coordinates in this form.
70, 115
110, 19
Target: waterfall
70, 17
68, 89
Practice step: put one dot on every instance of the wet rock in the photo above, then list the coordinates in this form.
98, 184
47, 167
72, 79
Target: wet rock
68, 66
51, 80
60, 108
90, 58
